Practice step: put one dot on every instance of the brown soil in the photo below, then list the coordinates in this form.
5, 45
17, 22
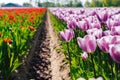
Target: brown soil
44, 62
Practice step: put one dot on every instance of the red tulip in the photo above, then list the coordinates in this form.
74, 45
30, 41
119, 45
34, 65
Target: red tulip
10, 41
5, 40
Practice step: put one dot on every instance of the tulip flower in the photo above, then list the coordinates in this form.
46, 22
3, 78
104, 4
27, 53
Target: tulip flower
95, 32
104, 42
83, 25
84, 56
71, 24
111, 23
88, 43
67, 35
93, 22
10, 41
115, 30
114, 50
32, 28
11, 17
6, 40
94, 25
107, 33
116, 40
103, 15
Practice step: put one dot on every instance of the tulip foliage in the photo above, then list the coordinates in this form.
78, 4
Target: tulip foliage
93, 35
17, 27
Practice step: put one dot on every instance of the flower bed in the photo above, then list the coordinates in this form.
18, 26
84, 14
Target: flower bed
90, 40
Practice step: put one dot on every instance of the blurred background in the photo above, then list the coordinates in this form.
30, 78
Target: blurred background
59, 3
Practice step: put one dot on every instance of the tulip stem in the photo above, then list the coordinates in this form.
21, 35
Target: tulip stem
69, 55
93, 66
100, 60
111, 66
117, 70
76, 35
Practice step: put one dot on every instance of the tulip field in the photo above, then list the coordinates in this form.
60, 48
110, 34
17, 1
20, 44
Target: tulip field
17, 27
90, 39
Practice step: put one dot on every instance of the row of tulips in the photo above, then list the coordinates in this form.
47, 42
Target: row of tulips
93, 41
17, 27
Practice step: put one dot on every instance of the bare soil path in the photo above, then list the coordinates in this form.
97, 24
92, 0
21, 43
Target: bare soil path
44, 61
59, 68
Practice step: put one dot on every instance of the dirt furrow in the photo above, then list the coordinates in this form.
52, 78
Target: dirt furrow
44, 61
59, 68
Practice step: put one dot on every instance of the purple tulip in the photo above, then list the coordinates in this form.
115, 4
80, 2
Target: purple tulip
95, 32
93, 13
93, 22
111, 23
115, 52
66, 18
67, 35
104, 43
71, 24
84, 55
116, 40
83, 25
107, 33
88, 43
115, 30
103, 15
95, 25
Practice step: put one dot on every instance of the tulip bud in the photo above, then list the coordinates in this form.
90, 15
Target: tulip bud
10, 41
84, 56
5, 40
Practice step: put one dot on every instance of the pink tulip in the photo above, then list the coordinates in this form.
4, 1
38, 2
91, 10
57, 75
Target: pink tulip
93, 22
95, 25
88, 43
83, 25
111, 23
67, 35
103, 15
115, 52
84, 56
95, 32
104, 42
116, 40
71, 24
115, 30
107, 33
